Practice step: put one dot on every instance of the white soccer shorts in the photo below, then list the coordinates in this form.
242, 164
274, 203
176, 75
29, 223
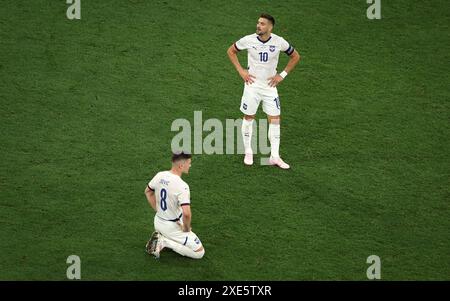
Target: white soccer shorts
173, 231
253, 95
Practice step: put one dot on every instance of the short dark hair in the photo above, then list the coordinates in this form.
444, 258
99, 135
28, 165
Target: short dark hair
268, 17
180, 156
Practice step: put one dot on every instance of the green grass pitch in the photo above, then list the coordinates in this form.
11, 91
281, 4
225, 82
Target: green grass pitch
86, 110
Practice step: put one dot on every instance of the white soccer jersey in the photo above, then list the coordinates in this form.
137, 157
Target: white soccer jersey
263, 56
171, 193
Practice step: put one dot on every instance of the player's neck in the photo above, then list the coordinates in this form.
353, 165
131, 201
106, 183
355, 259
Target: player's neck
176, 172
265, 37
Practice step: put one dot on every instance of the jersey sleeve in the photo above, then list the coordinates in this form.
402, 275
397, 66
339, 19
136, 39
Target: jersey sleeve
184, 197
152, 184
286, 47
242, 44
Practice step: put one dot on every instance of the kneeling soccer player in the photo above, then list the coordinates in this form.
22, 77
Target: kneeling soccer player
169, 196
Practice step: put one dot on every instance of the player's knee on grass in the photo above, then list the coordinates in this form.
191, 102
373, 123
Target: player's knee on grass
249, 117
199, 254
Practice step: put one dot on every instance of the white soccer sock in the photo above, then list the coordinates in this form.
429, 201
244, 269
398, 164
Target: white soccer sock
182, 250
247, 130
274, 138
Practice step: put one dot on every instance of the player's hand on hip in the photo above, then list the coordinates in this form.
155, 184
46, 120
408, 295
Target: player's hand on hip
275, 80
181, 226
247, 77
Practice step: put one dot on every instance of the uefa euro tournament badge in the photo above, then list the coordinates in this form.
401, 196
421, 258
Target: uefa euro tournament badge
272, 48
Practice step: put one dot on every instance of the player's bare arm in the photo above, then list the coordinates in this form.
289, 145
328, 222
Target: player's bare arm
150, 195
232, 54
186, 218
294, 58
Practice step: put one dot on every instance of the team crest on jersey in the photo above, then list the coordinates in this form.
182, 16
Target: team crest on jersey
272, 48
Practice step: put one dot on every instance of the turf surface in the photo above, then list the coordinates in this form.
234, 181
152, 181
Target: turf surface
86, 110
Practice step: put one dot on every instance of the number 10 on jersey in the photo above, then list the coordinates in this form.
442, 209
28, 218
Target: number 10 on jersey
263, 56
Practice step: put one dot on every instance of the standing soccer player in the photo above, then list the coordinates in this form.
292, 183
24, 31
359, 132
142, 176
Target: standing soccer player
261, 79
169, 196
